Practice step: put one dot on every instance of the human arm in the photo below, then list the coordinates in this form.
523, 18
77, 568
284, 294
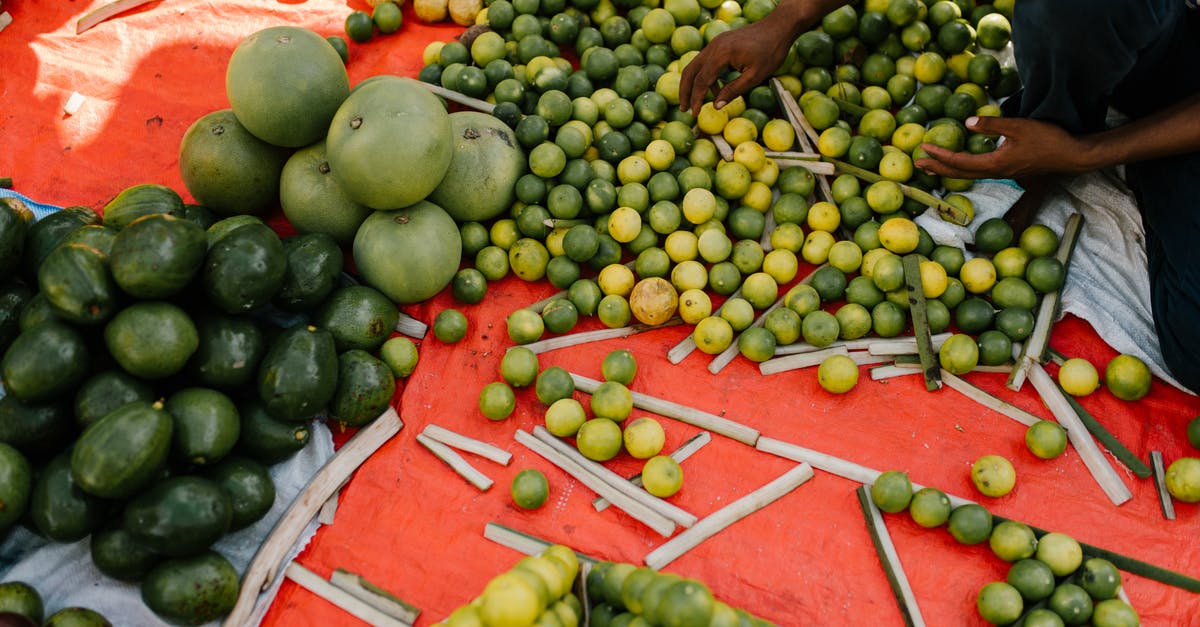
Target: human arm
755, 50
1033, 148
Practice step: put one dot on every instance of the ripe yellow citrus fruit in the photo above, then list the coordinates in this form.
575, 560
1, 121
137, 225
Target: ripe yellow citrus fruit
1078, 377
564, 417
653, 300
612, 400
1183, 479
599, 439
1060, 552
509, 600
713, 335
899, 235
837, 374
1046, 439
644, 437
993, 475
978, 275
662, 476
694, 306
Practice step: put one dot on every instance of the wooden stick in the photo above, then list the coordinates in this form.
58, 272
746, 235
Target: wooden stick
865, 358
688, 344
947, 211
1160, 484
598, 335
106, 11
643, 514
819, 168
777, 365
723, 147
1034, 347
669, 511
450, 94
930, 368
468, 444
1110, 441
879, 373
410, 326
889, 559
682, 413
456, 462
805, 133
352, 605
371, 594
798, 156
263, 568
911, 361
903, 345
987, 400
726, 516
695, 443
769, 225
328, 509
804, 347
523, 542
1089, 452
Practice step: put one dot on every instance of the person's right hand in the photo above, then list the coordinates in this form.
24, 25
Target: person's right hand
755, 50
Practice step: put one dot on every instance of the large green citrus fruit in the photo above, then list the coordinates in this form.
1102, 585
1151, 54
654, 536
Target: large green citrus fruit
313, 201
486, 163
227, 169
408, 254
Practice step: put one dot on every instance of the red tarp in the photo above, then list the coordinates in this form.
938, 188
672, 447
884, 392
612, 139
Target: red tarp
408, 523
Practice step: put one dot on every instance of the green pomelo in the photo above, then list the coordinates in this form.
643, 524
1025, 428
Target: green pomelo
312, 199
408, 254
484, 169
227, 169
285, 83
389, 144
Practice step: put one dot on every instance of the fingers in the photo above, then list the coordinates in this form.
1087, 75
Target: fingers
737, 87
955, 164
697, 78
989, 125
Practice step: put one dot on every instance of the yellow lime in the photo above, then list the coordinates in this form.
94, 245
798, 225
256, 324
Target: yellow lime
564, 417
497, 401
1183, 479
662, 476
508, 600
1060, 552
778, 135
599, 439
624, 224
933, 278
816, 247
682, 246
1046, 439
713, 335
612, 400
993, 475
781, 265
644, 437
846, 256
1127, 377
978, 275
824, 216
999, 603
837, 374
930, 507
1012, 541
899, 235
519, 366
1078, 377
689, 275
616, 279
892, 491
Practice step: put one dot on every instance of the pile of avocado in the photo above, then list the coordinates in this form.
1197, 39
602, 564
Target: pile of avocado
156, 362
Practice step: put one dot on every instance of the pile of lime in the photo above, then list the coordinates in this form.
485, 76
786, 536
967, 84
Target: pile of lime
629, 208
620, 593
1051, 580
538, 589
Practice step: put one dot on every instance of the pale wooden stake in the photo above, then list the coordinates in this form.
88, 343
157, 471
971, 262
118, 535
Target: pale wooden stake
454, 96
723, 147
106, 11
903, 345
643, 514
777, 365
1160, 484
890, 559
682, 413
468, 444
456, 462
263, 568
724, 357
864, 358
352, 605
726, 516
371, 594
879, 373
597, 335
688, 344
804, 347
695, 443
987, 400
819, 168
1089, 452
410, 326
523, 542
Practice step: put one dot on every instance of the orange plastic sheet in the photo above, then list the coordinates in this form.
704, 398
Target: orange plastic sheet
409, 524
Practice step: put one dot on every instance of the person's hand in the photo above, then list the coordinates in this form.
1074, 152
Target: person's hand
1030, 148
754, 50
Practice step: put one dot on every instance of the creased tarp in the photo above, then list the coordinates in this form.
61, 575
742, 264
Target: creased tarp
408, 523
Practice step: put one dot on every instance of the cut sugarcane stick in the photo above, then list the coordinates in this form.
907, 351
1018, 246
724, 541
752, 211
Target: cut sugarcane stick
6, 18
864, 358
371, 594
947, 211
889, 559
456, 462
523, 542
1034, 347
723, 147
541, 304
695, 443
880, 373
987, 400
930, 368
688, 344
769, 225
410, 326
682, 413
726, 516
1089, 452
450, 94
724, 357
804, 347
352, 605
643, 514
819, 168
669, 511
805, 133
911, 361
1160, 484
74, 102
777, 365
788, 154
328, 509
106, 11
265, 565
468, 444
598, 335
903, 345
1110, 441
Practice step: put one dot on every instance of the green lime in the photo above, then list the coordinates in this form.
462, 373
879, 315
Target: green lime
564, 417
360, 28
450, 326
1100, 578
1046, 439
562, 272
888, 319
995, 348
1042, 617
525, 326
469, 286
1071, 603
387, 17
560, 315
854, 321
1015, 322
820, 328
974, 315
959, 354
892, 491
861, 290
339, 44
599, 439
1012, 541
1032, 578
999, 603
930, 507
519, 366
497, 401
993, 235
830, 283
1045, 274
1113, 613
784, 324
1039, 240
586, 295
757, 344
552, 384
612, 400
1127, 377
529, 489
1013, 291
970, 523
1060, 552
400, 355
1193, 432
937, 315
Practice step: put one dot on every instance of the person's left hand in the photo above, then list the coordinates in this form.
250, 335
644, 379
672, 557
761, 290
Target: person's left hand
1030, 148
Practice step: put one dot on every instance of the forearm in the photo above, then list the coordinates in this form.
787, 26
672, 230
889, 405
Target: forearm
1173, 131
